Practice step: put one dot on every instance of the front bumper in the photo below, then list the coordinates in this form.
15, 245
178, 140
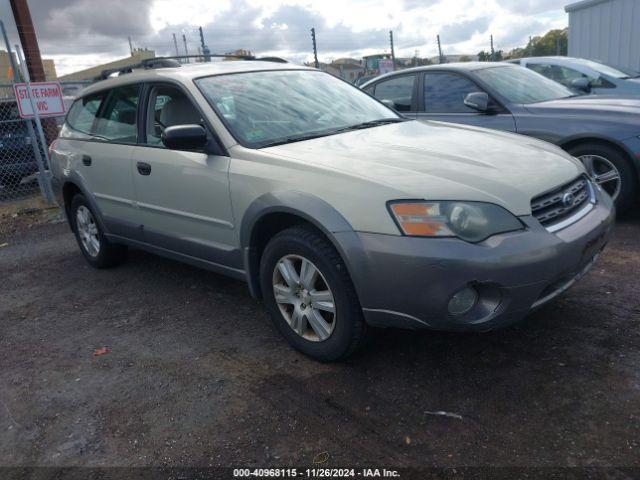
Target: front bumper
407, 282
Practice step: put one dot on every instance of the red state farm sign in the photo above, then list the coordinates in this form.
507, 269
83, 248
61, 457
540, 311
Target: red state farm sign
47, 99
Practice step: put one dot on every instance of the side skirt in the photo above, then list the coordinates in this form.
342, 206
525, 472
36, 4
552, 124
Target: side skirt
196, 262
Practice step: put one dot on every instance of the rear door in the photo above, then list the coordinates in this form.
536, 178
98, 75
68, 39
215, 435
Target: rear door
442, 97
400, 89
107, 127
182, 196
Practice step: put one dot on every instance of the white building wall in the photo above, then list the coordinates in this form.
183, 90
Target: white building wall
606, 31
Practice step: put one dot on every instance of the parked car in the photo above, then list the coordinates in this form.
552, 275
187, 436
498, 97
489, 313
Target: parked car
17, 159
338, 212
603, 131
584, 75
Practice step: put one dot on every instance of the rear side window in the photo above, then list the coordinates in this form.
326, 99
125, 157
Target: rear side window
82, 114
118, 119
398, 89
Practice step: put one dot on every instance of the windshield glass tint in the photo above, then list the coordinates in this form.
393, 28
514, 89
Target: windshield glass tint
521, 85
261, 108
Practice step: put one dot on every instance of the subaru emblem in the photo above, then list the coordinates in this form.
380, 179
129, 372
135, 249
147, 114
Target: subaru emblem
567, 199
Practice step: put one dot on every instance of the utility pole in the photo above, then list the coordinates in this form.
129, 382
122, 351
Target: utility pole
315, 48
28, 39
205, 50
440, 56
530, 47
493, 52
130, 45
186, 50
33, 60
175, 44
393, 53
558, 45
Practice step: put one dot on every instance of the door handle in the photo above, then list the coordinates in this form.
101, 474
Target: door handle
86, 160
143, 168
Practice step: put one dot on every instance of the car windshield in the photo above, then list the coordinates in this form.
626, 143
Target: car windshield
521, 85
273, 107
602, 68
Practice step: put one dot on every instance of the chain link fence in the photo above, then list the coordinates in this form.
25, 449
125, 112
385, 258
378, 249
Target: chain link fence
21, 145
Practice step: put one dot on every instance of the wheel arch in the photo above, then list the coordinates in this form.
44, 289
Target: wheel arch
620, 148
70, 188
276, 211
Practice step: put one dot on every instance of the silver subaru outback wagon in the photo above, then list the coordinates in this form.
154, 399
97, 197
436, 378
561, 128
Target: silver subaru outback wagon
339, 213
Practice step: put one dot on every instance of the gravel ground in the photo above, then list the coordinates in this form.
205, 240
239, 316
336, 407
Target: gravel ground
194, 374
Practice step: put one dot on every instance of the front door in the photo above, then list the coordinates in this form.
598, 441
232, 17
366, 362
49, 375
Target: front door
182, 196
442, 99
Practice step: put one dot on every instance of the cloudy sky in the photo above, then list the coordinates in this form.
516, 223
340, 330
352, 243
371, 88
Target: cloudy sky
83, 33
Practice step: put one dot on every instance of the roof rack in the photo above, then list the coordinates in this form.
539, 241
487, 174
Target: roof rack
173, 62
230, 56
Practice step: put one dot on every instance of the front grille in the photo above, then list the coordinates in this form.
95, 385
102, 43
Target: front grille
557, 205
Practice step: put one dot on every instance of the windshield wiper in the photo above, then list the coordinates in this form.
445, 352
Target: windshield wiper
358, 126
297, 138
371, 123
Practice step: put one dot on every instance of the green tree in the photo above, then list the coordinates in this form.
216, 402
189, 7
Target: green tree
554, 42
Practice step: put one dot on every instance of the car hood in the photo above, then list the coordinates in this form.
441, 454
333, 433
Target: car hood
441, 161
600, 104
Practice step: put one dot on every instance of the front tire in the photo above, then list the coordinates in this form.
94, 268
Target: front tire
309, 294
611, 170
96, 249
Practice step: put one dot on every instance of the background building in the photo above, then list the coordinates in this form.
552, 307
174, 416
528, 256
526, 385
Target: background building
371, 62
138, 55
6, 74
606, 30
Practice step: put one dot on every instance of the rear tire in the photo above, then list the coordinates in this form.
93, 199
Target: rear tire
331, 282
628, 189
96, 249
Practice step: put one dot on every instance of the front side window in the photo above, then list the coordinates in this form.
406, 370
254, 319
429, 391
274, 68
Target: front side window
168, 107
445, 93
270, 107
82, 113
398, 89
521, 85
118, 120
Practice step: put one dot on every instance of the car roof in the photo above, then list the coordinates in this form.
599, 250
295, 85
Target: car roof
453, 67
189, 71
554, 58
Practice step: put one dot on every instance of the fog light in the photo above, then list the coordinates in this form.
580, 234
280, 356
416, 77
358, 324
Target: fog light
463, 301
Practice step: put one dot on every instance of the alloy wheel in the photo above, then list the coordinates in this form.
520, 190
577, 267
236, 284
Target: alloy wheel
304, 298
604, 173
87, 231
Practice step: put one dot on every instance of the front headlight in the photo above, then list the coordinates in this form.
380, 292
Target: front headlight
470, 221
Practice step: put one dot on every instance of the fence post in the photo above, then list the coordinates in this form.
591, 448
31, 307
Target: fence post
44, 183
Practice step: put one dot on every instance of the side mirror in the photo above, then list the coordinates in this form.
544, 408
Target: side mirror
583, 84
478, 101
389, 103
184, 137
